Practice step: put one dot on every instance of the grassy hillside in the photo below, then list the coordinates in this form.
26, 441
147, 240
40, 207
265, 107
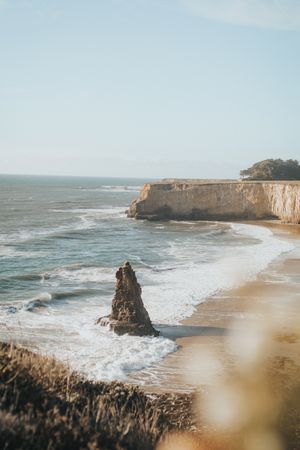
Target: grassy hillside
44, 406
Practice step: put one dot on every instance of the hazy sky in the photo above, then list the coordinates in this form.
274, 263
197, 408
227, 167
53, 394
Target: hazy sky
148, 88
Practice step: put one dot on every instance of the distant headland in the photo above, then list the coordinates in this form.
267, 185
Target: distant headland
183, 199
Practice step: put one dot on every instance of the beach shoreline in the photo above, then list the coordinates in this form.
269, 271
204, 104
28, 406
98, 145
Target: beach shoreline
211, 321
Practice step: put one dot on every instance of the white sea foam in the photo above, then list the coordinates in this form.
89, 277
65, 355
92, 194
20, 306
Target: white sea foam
87, 347
174, 294
107, 356
121, 188
28, 235
88, 218
112, 188
39, 301
97, 212
170, 293
8, 252
87, 274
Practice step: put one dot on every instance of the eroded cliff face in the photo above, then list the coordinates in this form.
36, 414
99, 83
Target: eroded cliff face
218, 200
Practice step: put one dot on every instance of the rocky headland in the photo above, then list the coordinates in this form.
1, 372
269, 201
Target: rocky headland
128, 315
218, 200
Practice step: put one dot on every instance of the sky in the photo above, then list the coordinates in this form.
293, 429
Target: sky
148, 88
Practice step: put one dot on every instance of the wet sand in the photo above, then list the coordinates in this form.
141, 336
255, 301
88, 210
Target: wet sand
278, 287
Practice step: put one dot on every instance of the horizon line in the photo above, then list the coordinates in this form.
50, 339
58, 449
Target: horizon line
73, 176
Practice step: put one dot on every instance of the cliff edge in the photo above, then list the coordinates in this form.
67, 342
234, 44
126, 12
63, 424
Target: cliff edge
218, 200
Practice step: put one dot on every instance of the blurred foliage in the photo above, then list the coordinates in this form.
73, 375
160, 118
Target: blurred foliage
255, 403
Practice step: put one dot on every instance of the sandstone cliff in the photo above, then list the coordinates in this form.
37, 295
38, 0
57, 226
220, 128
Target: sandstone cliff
218, 200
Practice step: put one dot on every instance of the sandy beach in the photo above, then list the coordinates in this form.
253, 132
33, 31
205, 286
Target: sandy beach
277, 287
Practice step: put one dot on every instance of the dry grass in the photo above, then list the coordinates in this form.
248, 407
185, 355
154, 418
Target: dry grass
44, 406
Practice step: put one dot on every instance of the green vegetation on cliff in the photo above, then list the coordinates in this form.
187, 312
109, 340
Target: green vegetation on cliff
273, 169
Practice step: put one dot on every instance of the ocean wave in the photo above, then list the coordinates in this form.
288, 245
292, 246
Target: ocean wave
163, 268
9, 252
113, 188
255, 231
90, 218
87, 274
112, 210
173, 295
137, 259
46, 299
121, 188
74, 272
87, 219
24, 277
120, 355
152, 267
38, 302
87, 347
30, 235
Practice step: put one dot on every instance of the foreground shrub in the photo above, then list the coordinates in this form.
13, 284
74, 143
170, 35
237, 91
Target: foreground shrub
44, 406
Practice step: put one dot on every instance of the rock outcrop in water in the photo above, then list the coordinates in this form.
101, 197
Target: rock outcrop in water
128, 316
218, 200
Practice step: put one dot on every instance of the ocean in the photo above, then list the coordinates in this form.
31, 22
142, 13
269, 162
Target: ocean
62, 240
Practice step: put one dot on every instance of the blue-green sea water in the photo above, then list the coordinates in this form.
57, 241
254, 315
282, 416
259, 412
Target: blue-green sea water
61, 242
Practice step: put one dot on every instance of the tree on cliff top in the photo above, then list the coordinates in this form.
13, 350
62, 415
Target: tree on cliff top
273, 169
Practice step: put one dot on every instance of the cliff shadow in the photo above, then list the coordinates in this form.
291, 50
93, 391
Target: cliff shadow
180, 331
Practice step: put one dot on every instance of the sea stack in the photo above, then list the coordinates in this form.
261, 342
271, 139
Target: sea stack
128, 315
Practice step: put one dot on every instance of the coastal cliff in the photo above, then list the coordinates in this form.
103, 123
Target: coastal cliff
218, 200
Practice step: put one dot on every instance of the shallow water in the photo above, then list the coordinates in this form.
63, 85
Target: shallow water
61, 241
